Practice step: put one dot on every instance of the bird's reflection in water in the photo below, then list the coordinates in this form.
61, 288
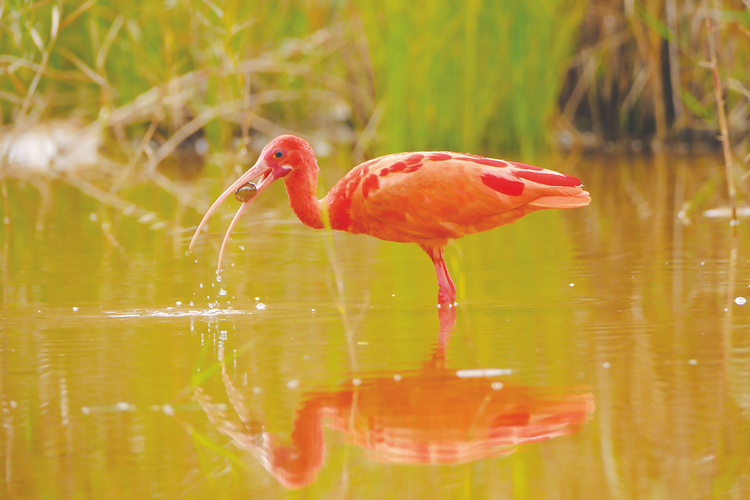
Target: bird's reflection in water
433, 415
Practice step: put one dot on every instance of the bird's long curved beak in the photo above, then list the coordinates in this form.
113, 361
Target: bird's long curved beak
260, 169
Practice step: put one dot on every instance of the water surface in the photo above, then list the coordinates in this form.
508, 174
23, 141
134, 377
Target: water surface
596, 353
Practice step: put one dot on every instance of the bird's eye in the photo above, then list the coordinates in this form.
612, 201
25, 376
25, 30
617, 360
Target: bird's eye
279, 153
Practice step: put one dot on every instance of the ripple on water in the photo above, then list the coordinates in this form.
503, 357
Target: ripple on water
170, 313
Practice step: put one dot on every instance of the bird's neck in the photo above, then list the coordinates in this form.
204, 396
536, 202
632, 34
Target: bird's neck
301, 187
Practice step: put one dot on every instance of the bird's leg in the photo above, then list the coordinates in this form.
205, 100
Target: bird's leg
447, 317
446, 288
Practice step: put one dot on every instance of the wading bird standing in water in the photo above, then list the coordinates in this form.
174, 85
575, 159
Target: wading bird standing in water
425, 198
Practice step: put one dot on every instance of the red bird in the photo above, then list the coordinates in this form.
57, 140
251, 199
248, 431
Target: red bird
425, 198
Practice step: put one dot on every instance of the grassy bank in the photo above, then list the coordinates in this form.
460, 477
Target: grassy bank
495, 77
641, 72
131, 64
445, 75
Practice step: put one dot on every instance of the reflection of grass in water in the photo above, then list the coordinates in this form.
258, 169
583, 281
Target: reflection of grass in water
202, 442
339, 295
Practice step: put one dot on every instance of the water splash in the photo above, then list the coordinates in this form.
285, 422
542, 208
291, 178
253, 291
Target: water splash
205, 313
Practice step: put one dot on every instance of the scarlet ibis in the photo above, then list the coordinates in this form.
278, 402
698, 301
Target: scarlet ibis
427, 198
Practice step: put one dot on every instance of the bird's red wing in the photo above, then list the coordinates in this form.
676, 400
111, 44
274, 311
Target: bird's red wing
448, 195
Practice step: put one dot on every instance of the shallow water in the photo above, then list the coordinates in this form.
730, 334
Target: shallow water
597, 353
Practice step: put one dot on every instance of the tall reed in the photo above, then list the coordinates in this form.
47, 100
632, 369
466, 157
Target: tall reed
472, 75
479, 75
641, 73
190, 53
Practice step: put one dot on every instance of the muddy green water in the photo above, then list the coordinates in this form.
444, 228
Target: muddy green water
597, 353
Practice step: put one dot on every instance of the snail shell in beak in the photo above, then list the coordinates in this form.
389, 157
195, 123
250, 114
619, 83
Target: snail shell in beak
246, 192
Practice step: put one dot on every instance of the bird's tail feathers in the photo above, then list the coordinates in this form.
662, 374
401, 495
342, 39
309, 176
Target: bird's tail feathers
580, 199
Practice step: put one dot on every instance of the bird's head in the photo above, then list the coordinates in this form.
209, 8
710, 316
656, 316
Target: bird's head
283, 157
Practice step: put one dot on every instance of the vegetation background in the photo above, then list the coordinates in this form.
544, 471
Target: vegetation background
149, 84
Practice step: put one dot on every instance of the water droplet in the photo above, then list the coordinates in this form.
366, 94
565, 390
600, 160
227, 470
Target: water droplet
693, 362
293, 384
397, 377
222, 292
218, 279
92, 216
168, 410
200, 285
496, 386
178, 303
740, 301
605, 364
356, 381
75, 309
242, 247
572, 284
260, 306
191, 303
257, 299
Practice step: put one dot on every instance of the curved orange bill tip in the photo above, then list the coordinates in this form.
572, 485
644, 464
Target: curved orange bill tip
256, 170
